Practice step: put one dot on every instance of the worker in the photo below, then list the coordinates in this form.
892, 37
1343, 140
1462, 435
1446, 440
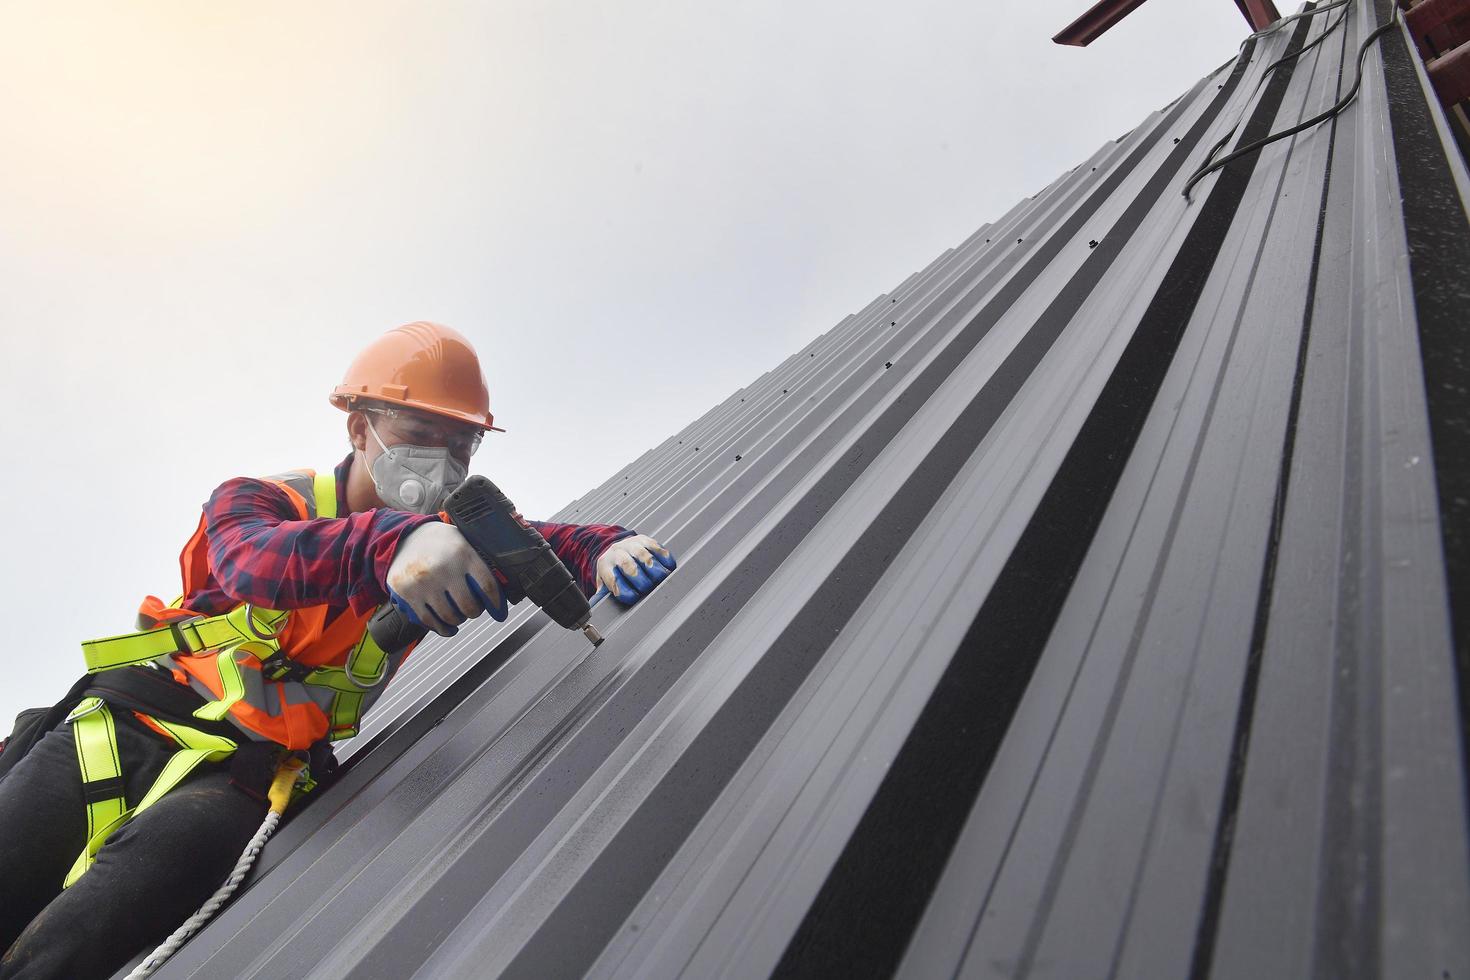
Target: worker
125, 805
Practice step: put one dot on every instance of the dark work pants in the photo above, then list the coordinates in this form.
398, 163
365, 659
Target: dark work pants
149, 877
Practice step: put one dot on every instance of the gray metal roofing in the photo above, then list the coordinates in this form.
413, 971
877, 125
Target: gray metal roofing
1094, 604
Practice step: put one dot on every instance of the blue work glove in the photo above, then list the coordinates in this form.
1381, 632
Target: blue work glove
629, 569
498, 610
438, 580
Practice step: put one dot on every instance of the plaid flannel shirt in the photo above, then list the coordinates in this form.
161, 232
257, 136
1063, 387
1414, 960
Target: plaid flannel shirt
259, 552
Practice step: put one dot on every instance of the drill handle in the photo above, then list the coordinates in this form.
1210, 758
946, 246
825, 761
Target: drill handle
491, 524
392, 630
503, 539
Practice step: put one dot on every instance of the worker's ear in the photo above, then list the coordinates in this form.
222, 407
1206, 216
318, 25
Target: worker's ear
357, 430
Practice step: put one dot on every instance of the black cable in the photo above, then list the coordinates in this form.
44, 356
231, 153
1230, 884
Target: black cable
1307, 47
1341, 104
1279, 24
1210, 156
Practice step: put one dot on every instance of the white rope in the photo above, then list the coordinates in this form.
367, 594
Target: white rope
194, 922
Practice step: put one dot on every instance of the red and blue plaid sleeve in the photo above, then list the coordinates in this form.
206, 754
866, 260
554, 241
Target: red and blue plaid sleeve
259, 552
579, 546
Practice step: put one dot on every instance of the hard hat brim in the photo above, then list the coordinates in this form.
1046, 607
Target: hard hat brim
344, 397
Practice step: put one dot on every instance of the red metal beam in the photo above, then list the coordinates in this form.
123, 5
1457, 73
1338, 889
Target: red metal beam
1105, 13
1450, 74
1438, 25
1099, 17
1258, 13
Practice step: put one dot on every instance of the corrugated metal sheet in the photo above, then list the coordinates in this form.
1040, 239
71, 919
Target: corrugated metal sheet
1094, 604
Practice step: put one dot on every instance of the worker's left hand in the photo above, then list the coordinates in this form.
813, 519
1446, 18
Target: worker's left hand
630, 568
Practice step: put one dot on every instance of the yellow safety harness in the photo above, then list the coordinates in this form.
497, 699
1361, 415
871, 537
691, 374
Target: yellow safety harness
249, 630
244, 629
102, 782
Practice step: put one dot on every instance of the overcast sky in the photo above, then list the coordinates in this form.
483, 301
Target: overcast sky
632, 209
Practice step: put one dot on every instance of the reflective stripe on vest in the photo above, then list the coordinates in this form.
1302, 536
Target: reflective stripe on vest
333, 674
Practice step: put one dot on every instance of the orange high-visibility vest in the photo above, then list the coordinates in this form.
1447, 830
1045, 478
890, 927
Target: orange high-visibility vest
330, 672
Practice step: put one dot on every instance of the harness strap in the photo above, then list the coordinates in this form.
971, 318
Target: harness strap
93, 726
367, 666
243, 623
101, 767
232, 680
324, 489
348, 682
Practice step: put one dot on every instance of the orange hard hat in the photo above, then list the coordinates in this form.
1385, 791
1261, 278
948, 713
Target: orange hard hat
420, 365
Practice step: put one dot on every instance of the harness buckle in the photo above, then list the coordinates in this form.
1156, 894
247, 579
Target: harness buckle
279, 667
85, 707
181, 640
250, 625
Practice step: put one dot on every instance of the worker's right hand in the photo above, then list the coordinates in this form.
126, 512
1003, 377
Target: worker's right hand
439, 581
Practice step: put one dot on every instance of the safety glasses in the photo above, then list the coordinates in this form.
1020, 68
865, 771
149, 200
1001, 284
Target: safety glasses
420, 429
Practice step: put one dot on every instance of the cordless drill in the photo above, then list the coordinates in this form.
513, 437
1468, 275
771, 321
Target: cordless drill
503, 539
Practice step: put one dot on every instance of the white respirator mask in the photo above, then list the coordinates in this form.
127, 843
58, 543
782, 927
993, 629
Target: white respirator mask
417, 479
